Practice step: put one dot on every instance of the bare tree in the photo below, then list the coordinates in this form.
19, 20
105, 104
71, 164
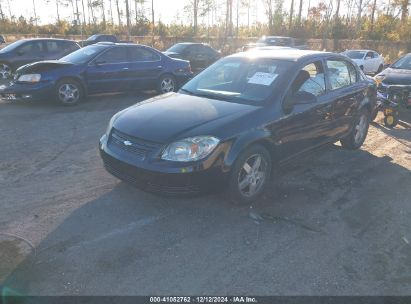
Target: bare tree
118, 12
128, 18
1, 12
404, 10
111, 12
300, 8
291, 15
268, 4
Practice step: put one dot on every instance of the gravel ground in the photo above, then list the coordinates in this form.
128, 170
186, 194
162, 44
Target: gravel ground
336, 222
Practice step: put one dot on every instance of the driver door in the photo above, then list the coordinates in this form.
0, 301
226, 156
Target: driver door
305, 124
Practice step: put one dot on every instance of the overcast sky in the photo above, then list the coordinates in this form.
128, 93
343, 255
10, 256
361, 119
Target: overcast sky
167, 10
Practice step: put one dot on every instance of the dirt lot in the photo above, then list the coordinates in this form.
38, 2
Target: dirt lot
336, 223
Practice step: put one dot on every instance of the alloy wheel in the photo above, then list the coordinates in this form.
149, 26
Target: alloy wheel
167, 85
252, 175
68, 93
5, 71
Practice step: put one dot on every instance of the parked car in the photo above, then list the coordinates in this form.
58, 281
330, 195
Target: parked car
100, 68
233, 123
2, 39
398, 73
277, 41
369, 61
101, 38
27, 51
200, 55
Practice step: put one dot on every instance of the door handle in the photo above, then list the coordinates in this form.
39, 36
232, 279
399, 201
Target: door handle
125, 69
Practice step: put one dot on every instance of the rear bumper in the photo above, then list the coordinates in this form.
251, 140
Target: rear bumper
165, 180
27, 92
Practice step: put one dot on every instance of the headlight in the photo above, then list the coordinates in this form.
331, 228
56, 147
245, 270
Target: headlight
30, 78
379, 79
190, 149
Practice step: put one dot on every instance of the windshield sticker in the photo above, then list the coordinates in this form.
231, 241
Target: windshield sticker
262, 78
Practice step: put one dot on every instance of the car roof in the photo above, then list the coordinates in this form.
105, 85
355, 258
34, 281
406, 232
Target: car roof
283, 54
361, 50
47, 39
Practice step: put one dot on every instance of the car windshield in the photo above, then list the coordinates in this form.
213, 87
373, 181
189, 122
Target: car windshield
12, 46
83, 55
246, 80
276, 41
176, 48
403, 63
355, 54
92, 38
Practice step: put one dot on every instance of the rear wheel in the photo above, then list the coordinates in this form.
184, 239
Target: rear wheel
167, 83
68, 92
357, 136
249, 176
5, 71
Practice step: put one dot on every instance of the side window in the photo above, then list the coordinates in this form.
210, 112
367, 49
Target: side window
369, 55
109, 38
33, 47
353, 73
142, 54
338, 74
52, 46
311, 79
114, 55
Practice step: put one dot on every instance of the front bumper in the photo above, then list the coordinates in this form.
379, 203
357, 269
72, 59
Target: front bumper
163, 177
27, 91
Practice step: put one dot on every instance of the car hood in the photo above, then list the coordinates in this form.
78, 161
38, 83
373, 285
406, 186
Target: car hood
43, 66
396, 76
171, 116
358, 60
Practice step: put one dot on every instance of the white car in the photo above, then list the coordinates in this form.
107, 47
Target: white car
369, 61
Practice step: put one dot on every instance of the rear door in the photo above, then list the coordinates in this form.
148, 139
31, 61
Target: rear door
109, 71
145, 67
347, 92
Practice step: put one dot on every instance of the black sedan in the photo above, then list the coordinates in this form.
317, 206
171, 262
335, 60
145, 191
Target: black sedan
231, 125
27, 51
98, 68
200, 55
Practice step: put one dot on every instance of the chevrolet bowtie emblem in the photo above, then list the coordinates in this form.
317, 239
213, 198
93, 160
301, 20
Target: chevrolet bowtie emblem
127, 143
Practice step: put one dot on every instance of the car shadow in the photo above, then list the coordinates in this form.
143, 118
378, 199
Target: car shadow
402, 131
130, 242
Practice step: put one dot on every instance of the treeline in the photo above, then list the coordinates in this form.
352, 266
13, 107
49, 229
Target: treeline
328, 19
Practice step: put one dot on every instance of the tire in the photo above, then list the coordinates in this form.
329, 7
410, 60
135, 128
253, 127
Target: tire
69, 92
6, 71
357, 136
166, 83
390, 121
248, 182
362, 68
374, 114
380, 69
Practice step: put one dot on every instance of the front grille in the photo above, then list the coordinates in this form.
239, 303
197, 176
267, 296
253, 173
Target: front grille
138, 147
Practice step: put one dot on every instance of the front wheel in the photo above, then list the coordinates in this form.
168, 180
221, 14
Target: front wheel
249, 176
68, 92
5, 71
166, 84
357, 136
